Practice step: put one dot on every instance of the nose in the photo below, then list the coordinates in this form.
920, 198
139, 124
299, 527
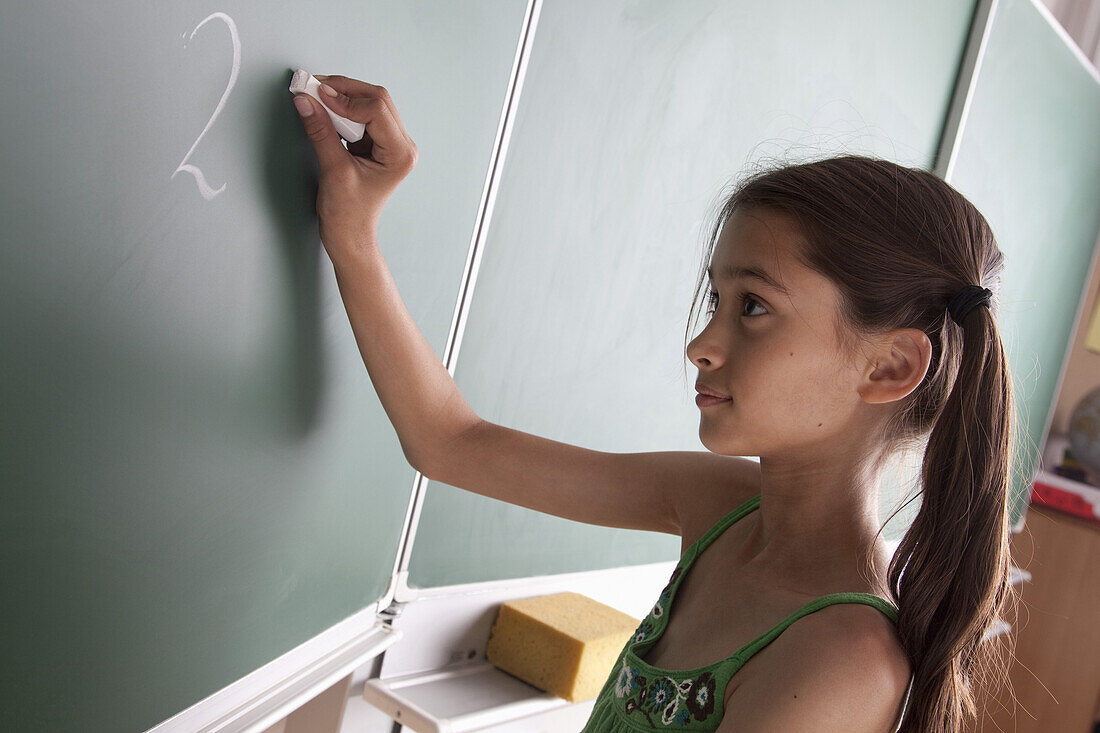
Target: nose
703, 351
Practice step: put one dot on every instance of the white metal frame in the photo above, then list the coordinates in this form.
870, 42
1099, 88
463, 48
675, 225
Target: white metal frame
473, 264
267, 695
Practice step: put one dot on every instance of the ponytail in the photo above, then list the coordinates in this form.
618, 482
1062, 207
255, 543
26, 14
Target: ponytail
950, 573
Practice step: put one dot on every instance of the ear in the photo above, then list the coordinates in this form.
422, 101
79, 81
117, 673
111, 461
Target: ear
897, 366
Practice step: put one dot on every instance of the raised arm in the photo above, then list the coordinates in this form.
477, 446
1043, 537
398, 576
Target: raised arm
440, 434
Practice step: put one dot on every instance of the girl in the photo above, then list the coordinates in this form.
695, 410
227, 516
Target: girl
848, 320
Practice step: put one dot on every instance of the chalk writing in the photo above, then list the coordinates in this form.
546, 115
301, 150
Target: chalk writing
204, 187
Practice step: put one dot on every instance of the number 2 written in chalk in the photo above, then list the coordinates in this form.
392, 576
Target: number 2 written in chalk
200, 180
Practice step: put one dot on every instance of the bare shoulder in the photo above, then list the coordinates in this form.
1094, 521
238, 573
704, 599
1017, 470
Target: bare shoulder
841, 668
718, 486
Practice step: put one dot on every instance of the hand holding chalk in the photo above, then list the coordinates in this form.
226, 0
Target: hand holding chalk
305, 83
355, 182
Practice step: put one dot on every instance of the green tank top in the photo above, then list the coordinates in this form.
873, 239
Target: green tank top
638, 696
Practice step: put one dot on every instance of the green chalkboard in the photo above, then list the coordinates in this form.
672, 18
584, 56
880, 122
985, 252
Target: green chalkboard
1029, 158
197, 475
628, 126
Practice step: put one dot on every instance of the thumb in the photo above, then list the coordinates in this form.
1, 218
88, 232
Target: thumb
326, 142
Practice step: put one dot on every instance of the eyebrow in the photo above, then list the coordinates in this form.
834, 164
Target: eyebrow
751, 272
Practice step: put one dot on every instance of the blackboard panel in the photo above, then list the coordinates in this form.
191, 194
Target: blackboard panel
197, 475
628, 126
1029, 158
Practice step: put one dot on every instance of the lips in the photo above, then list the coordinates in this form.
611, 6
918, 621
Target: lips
703, 389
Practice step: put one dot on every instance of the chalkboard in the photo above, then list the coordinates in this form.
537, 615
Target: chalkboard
197, 475
628, 126
1029, 158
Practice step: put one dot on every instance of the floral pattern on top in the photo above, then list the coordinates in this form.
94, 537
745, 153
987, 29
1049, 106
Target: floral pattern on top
654, 698
659, 607
645, 630
675, 703
638, 695
649, 624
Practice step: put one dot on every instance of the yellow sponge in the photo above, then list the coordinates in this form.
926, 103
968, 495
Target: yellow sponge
563, 643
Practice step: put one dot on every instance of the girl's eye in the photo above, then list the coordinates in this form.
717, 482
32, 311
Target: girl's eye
712, 301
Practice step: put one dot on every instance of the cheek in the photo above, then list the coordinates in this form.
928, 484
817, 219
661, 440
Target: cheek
801, 382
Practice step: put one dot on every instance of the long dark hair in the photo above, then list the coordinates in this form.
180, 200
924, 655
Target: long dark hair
899, 243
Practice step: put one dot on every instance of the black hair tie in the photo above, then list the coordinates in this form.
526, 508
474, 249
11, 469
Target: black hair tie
966, 300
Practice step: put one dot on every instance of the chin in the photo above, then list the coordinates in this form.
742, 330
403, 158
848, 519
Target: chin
725, 445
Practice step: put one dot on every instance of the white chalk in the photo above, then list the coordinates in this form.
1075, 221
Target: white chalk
305, 83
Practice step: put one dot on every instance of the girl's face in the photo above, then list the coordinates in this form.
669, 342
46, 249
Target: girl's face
772, 348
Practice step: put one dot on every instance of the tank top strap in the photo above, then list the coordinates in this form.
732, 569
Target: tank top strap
891, 612
723, 524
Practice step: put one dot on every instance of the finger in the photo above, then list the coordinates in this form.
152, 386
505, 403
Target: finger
389, 145
326, 142
353, 88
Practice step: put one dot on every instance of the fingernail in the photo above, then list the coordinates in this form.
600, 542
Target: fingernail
305, 109
328, 90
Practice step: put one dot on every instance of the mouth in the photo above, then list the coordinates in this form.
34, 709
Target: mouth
705, 390
706, 400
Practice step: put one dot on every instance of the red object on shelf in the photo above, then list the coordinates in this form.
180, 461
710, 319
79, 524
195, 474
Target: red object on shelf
1066, 495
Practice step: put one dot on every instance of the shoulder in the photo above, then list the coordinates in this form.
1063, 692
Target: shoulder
721, 484
840, 669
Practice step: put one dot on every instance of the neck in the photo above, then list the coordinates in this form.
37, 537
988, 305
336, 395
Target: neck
816, 523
